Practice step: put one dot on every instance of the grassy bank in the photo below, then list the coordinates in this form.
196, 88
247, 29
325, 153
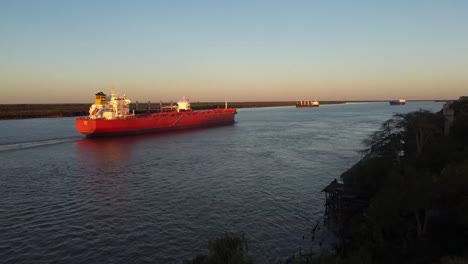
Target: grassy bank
22, 111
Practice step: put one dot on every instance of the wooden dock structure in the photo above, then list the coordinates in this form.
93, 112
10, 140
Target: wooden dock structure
341, 203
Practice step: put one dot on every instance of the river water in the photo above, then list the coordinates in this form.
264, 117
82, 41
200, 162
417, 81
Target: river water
159, 198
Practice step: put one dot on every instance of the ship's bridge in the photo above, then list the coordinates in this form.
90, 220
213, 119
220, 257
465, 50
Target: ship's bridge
183, 105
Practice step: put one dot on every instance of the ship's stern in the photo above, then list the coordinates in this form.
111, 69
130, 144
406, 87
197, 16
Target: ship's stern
85, 126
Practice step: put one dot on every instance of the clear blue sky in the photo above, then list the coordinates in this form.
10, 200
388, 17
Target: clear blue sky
65, 51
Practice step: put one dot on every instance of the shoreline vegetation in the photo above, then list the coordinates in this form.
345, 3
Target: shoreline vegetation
25, 111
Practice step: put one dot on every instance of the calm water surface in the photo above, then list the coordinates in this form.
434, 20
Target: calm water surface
160, 198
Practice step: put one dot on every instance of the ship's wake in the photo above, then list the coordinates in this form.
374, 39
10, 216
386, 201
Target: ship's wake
34, 144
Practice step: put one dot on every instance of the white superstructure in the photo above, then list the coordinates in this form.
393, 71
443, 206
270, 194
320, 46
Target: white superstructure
183, 105
116, 108
308, 103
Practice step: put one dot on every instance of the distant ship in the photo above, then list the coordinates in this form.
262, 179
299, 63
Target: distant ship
113, 118
308, 104
398, 102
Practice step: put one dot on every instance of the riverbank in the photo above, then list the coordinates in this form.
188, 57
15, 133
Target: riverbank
406, 201
23, 111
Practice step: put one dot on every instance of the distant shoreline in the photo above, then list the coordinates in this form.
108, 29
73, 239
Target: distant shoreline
26, 111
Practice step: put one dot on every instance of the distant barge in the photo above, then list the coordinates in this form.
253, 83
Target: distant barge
302, 104
398, 102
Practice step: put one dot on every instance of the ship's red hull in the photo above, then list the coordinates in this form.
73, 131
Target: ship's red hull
152, 123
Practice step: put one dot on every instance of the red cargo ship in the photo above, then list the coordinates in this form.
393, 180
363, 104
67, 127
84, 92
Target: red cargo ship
113, 118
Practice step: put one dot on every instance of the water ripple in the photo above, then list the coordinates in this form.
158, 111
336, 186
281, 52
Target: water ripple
35, 144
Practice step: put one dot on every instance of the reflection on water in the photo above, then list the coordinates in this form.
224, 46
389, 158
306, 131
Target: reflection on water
100, 151
123, 148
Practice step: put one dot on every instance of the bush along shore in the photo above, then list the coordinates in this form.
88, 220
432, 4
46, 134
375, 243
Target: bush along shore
22, 111
229, 249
